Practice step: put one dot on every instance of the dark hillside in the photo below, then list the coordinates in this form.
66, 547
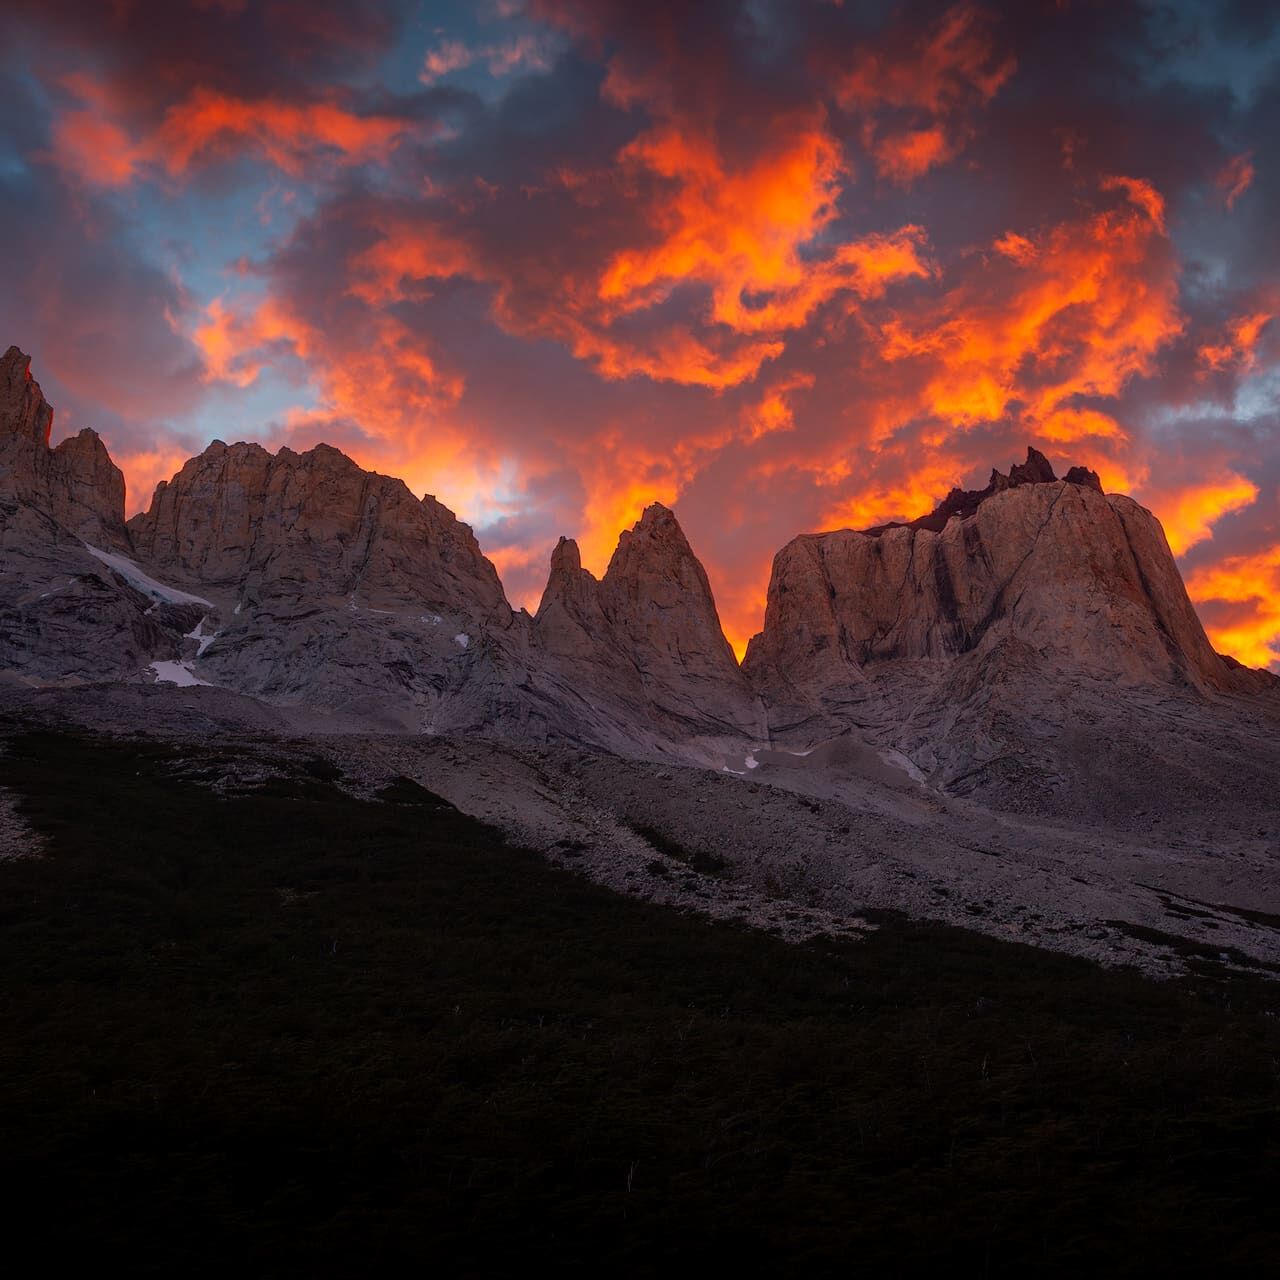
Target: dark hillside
290, 1033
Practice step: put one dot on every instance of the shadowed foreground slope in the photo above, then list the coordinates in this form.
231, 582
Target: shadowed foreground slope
293, 1033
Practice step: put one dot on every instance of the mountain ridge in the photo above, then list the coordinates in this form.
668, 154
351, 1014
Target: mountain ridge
334, 588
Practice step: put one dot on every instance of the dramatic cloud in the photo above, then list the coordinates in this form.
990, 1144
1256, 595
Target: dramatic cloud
782, 265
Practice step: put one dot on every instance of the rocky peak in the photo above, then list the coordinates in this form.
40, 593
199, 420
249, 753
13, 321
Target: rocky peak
1083, 476
76, 484
566, 559
656, 591
647, 633
313, 525
1037, 469
1079, 578
23, 409
655, 553
88, 490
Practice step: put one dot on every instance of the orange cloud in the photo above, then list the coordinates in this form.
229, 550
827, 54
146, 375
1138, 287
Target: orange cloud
915, 494
1235, 178
953, 61
904, 157
936, 82
1189, 514
1242, 599
773, 411
289, 134
98, 149
674, 355
1015, 247
405, 255
743, 231
1238, 346
1076, 311
740, 230
144, 469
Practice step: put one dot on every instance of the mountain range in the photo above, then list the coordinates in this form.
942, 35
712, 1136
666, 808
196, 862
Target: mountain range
1019, 674
301, 578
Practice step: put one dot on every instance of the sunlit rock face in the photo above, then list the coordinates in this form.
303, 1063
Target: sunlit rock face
645, 640
335, 589
76, 483
996, 628
67, 615
313, 525
1077, 576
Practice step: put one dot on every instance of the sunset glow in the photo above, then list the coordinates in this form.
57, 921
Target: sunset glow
780, 266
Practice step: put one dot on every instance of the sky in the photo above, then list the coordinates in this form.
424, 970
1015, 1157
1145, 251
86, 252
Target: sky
783, 265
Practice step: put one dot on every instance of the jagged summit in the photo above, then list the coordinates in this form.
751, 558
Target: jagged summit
76, 483
1037, 469
23, 409
647, 632
1079, 577
313, 525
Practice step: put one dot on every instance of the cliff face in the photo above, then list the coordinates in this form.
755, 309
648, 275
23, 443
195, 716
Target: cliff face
76, 484
67, 614
335, 589
1079, 577
961, 638
313, 525
646, 638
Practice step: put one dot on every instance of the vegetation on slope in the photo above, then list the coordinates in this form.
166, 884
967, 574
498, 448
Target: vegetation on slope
293, 1033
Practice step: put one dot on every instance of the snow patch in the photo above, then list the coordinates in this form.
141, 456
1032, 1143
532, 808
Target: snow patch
752, 762
143, 582
462, 640
202, 641
179, 673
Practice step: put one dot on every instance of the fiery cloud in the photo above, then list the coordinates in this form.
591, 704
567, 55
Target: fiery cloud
1075, 311
1189, 514
917, 98
1238, 345
1241, 597
95, 148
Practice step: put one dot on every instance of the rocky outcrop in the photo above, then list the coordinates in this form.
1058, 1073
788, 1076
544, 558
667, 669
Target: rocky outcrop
240, 520
1037, 469
76, 483
645, 640
1079, 577
950, 639
337, 589
68, 613
24, 412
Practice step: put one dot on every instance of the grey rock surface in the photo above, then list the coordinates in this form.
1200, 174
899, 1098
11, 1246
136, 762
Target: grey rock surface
644, 643
1015, 644
66, 614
